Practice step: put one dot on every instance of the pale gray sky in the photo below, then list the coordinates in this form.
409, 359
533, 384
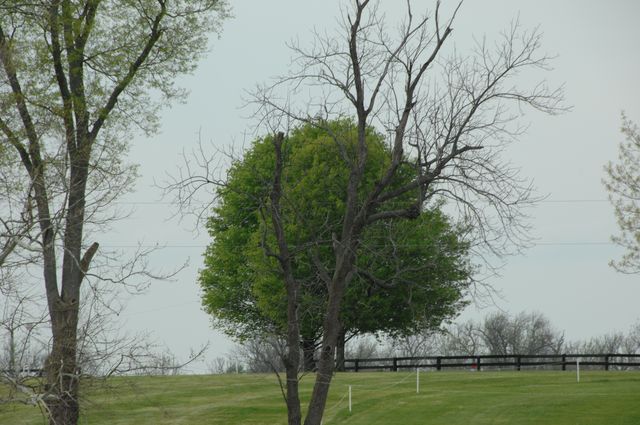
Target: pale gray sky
565, 276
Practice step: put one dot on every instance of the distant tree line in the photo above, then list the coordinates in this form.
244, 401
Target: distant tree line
497, 334
504, 334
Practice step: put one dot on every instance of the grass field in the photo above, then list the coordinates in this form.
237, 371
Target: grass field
445, 398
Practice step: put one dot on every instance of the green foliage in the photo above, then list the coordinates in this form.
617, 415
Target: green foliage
426, 264
116, 37
411, 274
112, 87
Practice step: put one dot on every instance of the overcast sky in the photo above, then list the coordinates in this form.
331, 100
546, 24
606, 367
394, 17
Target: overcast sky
565, 275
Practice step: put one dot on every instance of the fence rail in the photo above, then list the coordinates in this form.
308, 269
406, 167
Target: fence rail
479, 362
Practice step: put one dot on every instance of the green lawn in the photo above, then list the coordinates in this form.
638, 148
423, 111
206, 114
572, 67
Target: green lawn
446, 398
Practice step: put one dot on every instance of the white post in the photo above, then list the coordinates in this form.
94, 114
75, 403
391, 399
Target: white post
578, 369
417, 380
349, 398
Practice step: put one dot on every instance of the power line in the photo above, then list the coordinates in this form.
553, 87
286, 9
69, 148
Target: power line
176, 246
572, 201
572, 243
545, 201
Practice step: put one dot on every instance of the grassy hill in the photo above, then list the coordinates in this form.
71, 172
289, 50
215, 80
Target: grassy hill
445, 398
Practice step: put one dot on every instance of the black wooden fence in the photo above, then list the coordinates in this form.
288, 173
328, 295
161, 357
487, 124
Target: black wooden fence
495, 362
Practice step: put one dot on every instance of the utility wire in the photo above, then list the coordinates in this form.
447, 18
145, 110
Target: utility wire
160, 246
545, 201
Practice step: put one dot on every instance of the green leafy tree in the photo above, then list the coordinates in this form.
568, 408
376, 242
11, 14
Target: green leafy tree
77, 77
410, 276
623, 183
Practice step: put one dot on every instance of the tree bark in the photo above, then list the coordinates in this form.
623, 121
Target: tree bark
340, 346
308, 354
62, 374
326, 361
292, 359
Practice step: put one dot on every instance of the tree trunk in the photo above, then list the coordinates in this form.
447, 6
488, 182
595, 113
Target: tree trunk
326, 364
308, 354
340, 345
332, 327
294, 413
61, 368
344, 261
62, 375
292, 360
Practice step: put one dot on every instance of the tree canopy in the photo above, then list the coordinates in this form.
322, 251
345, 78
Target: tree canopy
410, 274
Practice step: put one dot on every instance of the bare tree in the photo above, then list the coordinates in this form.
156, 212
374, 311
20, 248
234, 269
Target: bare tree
447, 119
499, 333
367, 347
23, 321
612, 342
261, 354
218, 366
463, 339
525, 333
103, 349
623, 183
632, 342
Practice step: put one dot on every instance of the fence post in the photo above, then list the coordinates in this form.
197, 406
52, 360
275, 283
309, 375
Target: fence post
395, 364
564, 362
606, 362
438, 363
578, 360
355, 366
518, 362
478, 363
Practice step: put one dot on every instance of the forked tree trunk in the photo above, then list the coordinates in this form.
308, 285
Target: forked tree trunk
62, 373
